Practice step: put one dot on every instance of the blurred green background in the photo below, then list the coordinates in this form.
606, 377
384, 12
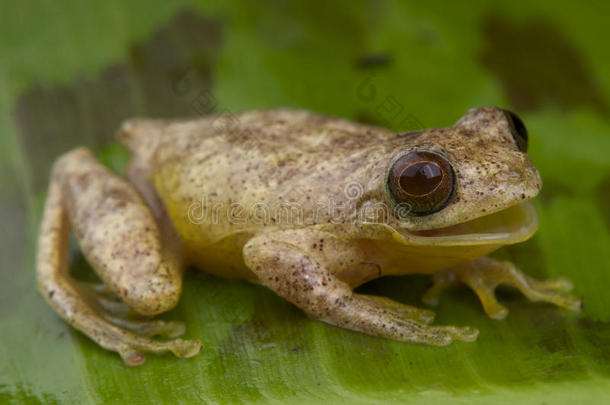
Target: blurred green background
71, 71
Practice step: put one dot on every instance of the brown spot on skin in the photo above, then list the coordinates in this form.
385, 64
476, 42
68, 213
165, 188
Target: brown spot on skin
170, 72
538, 65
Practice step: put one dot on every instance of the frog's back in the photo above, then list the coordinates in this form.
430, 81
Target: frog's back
268, 132
266, 157
224, 178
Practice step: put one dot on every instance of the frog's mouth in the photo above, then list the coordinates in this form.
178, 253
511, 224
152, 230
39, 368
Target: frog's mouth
511, 225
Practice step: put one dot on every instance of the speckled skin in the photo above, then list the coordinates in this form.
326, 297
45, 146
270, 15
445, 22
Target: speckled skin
295, 201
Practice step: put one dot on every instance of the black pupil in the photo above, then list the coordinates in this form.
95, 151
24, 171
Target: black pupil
421, 178
519, 125
518, 130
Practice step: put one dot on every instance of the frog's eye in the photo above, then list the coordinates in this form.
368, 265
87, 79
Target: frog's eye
423, 180
517, 129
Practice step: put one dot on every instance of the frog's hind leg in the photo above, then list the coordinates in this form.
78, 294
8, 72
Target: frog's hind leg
298, 276
483, 275
121, 240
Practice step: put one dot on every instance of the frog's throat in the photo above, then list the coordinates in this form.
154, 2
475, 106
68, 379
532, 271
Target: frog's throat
511, 225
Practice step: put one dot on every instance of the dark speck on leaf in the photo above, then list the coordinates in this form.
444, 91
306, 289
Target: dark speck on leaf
373, 60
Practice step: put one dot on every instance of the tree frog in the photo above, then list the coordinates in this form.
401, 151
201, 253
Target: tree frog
308, 206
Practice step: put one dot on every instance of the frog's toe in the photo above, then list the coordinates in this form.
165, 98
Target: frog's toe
445, 335
185, 348
487, 296
97, 288
553, 291
397, 321
116, 308
400, 310
465, 333
425, 316
559, 284
440, 282
419, 315
132, 357
495, 310
104, 300
484, 275
133, 352
155, 327
560, 299
131, 337
132, 347
120, 315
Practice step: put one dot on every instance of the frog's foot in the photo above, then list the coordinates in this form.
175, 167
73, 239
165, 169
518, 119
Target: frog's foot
122, 242
380, 316
483, 275
298, 276
107, 323
120, 314
440, 282
130, 338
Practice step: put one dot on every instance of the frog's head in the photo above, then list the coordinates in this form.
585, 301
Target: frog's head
466, 184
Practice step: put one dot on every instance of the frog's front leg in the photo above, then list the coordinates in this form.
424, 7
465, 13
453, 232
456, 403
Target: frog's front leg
291, 264
483, 275
121, 240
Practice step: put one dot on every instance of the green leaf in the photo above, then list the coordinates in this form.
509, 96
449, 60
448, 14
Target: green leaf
72, 71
